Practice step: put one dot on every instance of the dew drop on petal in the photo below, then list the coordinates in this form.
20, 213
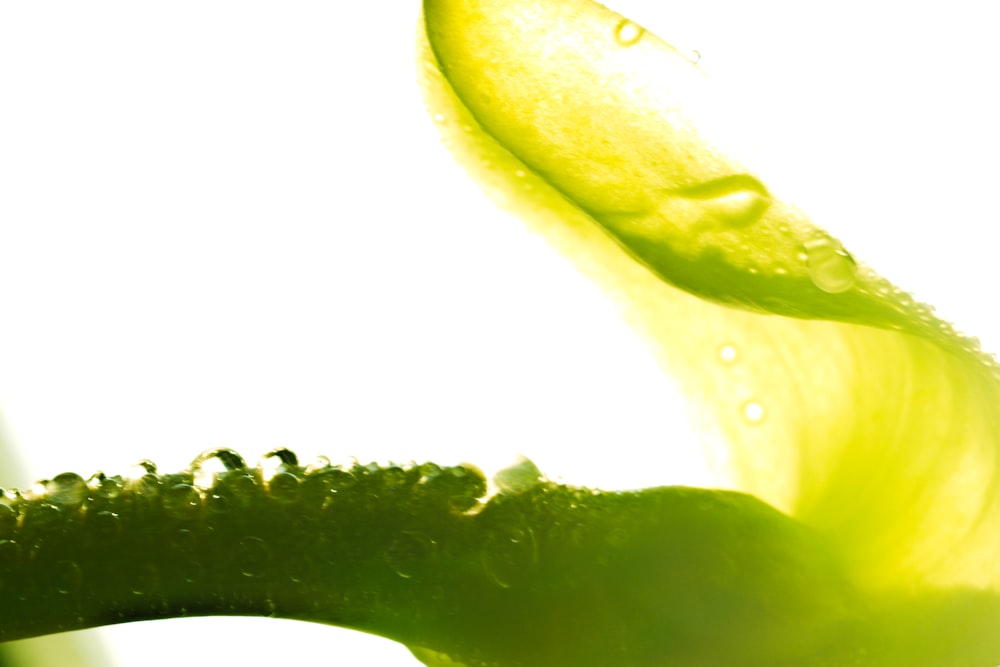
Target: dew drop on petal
753, 412
734, 201
831, 268
628, 33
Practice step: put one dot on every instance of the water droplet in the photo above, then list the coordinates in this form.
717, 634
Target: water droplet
10, 557
282, 457
393, 480
428, 473
182, 501
831, 268
66, 576
318, 464
693, 56
191, 571
522, 476
628, 33
109, 488
184, 541
727, 353
510, 556
284, 487
322, 485
105, 525
145, 579
66, 490
210, 464
146, 486
141, 468
10, 554
299, 569
8, 520
753, 412
233, 491
409, 553
733, 201
253, 557
458, 488
42, 516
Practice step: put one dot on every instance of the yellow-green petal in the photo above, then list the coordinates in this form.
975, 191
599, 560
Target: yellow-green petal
822, 389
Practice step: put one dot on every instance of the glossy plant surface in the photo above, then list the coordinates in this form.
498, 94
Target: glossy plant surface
413, 553
748, 197
613, 132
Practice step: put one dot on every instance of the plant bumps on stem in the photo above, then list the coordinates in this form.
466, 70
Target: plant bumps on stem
547, 574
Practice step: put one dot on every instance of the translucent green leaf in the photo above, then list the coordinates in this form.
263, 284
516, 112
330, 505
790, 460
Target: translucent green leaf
822, 388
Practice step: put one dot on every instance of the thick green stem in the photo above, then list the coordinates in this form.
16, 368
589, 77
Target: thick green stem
289, 540
539, 574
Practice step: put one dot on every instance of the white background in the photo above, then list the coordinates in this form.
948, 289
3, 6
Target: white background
232, 224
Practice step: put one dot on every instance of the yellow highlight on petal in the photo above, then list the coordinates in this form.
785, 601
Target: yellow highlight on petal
874, 421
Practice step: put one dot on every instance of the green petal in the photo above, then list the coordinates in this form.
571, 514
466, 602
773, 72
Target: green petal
822, 389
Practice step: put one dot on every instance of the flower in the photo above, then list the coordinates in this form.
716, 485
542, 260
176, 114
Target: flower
825, 390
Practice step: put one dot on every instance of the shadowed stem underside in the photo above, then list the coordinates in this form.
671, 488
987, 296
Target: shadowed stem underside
538, 573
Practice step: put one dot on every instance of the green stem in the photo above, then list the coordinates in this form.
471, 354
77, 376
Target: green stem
290, 541
539, 574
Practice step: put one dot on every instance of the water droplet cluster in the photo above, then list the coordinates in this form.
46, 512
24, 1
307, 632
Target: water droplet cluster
221, 537
920, 318
382, 547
